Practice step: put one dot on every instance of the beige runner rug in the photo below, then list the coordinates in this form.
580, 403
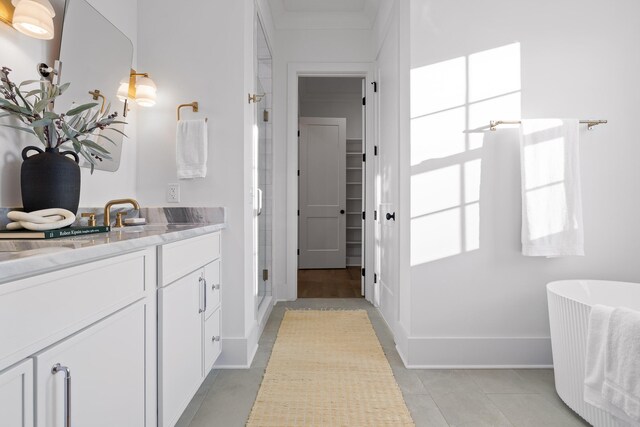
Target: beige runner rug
328, 369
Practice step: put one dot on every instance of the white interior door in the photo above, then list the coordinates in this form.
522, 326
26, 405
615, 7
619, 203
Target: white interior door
322, 193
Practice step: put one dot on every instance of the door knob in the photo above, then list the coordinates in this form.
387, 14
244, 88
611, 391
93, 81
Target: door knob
342, 211
391, 216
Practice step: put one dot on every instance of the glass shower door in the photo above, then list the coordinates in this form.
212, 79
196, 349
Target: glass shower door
264, 162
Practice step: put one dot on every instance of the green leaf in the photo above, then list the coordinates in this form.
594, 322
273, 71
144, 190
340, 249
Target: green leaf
102, 135
99, 154
41, 123
81, 108
89, 143
29, 82
63, 87
118, 130
34, 93
17, 109
41, 105
19, 128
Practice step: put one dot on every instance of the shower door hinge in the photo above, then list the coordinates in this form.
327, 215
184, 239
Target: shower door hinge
364, 100
364, 157
375, 278
363, 215
375, 150
375, 86
363, 272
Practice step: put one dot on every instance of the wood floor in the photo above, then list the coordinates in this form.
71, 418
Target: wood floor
339, 283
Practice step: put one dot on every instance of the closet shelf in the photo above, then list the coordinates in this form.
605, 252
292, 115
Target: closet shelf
354, 228
353, 242
354, 183
354, 213
353, 154
354, 168
354, 198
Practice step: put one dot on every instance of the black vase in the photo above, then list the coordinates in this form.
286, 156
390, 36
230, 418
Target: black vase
50, 179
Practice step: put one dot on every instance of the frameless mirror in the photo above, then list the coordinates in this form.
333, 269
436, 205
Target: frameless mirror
95, 56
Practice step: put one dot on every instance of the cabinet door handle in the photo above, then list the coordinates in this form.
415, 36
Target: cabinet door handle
215, 287
204, 290
57, 368
215, 339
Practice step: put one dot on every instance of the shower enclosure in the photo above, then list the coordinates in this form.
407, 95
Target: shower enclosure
263, 152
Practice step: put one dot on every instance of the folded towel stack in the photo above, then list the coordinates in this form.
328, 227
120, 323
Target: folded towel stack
612, 377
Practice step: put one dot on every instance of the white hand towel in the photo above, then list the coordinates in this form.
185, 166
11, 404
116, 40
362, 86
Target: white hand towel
551, 194
594, 377
622, 362
191, 149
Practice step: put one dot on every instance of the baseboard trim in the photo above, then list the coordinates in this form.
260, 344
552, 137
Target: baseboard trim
477, 353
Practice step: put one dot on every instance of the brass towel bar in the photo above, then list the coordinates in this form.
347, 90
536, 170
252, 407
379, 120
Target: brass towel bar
194, 106
493, 124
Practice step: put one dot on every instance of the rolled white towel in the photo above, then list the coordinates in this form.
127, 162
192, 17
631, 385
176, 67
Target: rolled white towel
42, 220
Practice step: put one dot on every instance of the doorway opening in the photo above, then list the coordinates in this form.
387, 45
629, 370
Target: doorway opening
331, 187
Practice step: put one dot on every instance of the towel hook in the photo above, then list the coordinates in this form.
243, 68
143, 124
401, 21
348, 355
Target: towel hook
194, 106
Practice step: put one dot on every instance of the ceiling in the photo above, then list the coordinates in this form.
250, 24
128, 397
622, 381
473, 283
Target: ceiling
324, 14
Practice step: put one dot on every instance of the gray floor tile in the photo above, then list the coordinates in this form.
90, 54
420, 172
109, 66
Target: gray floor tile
424, 411
409, 382
229, 402
541, 380
442, 381
533, 410
470, 409
500, 381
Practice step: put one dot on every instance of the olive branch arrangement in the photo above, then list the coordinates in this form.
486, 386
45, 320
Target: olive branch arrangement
81, 126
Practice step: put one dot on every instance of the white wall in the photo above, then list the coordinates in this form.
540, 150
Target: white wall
476, 299
203, 51
295, 46
21, 54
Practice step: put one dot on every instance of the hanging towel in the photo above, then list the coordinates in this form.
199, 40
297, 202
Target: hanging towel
622, 363
597, 356
551, 196
191, 149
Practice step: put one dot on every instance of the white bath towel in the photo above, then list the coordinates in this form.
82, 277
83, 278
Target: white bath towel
551, 194
191, 149
622, 362
594, 378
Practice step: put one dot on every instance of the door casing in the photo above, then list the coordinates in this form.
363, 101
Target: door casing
366, 71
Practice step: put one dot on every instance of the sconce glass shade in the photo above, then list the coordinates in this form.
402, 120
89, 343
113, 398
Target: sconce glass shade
145, 92
123, 89
34, 18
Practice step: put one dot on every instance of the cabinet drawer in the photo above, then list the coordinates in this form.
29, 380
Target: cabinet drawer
38, 311
181, 258
212, 277
212, 347
107, 369
16, 395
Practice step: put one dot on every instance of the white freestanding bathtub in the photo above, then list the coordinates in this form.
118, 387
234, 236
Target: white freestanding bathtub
570, 303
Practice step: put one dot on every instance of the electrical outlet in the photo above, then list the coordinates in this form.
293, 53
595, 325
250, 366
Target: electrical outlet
173, 193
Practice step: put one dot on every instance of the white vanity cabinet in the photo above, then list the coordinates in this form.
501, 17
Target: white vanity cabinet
77, 346
99, 372
16, 395
188, 320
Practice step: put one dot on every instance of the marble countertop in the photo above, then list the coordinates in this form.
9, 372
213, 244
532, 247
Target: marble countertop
24, 258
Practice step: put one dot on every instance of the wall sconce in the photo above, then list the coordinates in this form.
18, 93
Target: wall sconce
138, 87
31, 17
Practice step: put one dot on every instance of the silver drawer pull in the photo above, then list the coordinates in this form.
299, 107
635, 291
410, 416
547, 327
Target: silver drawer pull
215, 287
215, 339
57, 368
202, 281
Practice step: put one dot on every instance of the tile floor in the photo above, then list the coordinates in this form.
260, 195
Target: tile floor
484, 397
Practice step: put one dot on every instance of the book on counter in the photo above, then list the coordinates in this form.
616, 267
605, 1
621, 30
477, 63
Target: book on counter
52, 234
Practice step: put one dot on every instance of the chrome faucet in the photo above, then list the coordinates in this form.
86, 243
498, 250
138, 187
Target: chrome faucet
107, 210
